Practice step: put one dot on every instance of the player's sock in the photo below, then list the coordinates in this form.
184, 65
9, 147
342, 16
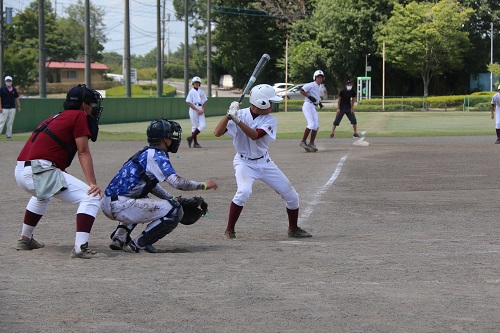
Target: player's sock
306, 134
30, 221
194, 135
313, 136
498, 133
234, 214
80, 239
293, 217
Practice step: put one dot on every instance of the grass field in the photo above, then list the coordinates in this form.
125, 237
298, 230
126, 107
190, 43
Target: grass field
376, 124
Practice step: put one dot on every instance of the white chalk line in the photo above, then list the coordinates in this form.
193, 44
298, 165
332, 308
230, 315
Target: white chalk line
309, 209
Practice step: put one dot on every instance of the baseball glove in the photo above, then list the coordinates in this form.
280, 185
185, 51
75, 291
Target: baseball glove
194, 208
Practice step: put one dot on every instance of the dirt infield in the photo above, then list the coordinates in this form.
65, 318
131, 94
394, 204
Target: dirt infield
405, 239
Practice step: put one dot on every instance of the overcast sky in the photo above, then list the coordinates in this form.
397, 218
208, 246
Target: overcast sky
142, 23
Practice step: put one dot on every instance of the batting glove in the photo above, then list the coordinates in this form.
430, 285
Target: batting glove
320, 105
232, 112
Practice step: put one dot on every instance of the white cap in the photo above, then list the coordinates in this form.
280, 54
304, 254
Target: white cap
8, 78
498, 87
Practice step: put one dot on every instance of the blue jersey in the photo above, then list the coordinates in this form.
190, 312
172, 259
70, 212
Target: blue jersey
129, 180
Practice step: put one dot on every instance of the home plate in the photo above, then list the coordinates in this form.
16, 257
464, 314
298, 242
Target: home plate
361, 143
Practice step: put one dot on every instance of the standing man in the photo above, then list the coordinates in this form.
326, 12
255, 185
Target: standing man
127, 199
42, 163
9, 98
495, 112
311, 92
196, 99
345, 106
252, 129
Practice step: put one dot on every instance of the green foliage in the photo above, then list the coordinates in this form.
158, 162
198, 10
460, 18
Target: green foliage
494, 68
426, 38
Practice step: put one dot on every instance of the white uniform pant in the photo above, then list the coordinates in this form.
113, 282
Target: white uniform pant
247, 171
76, 193
131, 211
7, 117
497, 119
197, 121
311, 115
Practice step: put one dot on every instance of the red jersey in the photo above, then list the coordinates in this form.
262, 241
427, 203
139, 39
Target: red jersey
69, 125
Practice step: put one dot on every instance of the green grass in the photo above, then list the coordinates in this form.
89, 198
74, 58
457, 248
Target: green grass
292, 125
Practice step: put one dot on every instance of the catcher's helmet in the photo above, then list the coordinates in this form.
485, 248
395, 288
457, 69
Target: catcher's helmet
163, 128
80, 93
263, 95
196, 79
318, 73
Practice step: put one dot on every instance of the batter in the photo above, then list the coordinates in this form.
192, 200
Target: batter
252, 129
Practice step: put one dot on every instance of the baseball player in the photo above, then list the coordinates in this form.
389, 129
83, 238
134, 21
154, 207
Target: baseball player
126, 197
196, 100
345, 106
311, 92
42, 163
495, 112
9, 98
252, 129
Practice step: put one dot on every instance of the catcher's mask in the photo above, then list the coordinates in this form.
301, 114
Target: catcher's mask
164, 129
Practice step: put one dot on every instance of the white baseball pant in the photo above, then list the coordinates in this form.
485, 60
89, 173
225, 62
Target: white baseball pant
197, 121
130, 211
7, 116
311, 115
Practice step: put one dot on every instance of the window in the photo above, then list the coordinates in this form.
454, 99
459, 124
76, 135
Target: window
71, 74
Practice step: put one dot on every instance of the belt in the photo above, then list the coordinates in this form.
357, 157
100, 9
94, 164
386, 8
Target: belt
27, 163
114, 197
252, 159
198, 104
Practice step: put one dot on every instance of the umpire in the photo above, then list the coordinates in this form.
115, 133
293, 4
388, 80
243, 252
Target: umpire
345, 106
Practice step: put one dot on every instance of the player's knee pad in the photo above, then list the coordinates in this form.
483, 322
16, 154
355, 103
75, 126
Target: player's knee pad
291, 198
161, 228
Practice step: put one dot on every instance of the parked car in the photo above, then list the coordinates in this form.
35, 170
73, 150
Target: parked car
281, 86
292, 93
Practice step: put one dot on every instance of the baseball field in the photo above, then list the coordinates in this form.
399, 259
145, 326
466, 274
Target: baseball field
405, 238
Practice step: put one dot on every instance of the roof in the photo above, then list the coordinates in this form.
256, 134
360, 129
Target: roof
73, 65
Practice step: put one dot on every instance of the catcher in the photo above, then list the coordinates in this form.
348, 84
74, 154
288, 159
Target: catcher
126, 197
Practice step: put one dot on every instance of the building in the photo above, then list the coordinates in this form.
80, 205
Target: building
73, 72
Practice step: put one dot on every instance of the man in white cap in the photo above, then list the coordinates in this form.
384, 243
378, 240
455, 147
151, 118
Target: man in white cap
495, 112
9, 98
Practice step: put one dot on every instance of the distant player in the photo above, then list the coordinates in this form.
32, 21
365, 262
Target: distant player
311, 92
495, 112
345, 106
196, 100
252, 129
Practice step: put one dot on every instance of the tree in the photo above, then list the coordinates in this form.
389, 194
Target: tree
426, 38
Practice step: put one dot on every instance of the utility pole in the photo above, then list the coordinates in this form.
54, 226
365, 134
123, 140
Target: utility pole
126, 51
491, 57
1, 41
209, 49
186, 49
42, 77
88, 47
159, 57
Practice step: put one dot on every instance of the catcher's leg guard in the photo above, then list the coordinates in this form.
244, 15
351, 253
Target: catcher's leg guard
128, 231
158, 229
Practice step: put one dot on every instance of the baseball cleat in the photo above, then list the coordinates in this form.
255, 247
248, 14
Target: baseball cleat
355, 135
313, 147
116, 244
298, 233
498, 141
332, 135
306, 147
86, 253
197, 145
150, 248
29, 245
230, 234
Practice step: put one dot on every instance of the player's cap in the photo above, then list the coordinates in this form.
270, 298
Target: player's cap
348, 82
499, 87
8, 78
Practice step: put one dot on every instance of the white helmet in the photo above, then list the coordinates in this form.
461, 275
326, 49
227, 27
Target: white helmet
318, 72
196, 79
263, 95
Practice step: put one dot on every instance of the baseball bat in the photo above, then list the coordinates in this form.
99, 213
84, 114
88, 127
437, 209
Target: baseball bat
256, 73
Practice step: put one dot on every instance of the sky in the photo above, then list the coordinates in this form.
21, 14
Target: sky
142, 23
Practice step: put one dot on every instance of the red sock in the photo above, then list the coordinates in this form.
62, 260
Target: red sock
195, 134
313, 136
234, 214
31, 218
293, 217
306, 134
84, 222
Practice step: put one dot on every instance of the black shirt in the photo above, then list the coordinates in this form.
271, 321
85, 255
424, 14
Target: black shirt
345, 96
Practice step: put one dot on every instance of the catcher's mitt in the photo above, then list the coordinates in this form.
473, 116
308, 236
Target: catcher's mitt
194, 208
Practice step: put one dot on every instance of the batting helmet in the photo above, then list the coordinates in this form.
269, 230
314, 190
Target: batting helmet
318, 73
263, 95
162, 128
196, 79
